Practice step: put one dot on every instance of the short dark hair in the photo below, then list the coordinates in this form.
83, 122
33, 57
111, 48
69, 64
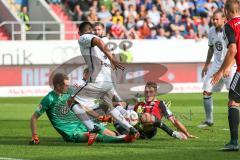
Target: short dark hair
58, 79
84, 26
99, 24
151, 84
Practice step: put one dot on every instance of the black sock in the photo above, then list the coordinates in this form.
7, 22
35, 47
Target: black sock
164, 127
233, 119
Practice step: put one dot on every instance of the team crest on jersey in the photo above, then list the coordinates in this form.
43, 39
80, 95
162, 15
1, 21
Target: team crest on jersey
219, 46
64, 110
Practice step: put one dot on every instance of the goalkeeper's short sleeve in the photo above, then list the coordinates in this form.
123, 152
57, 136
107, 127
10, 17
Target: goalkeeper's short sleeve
43, 106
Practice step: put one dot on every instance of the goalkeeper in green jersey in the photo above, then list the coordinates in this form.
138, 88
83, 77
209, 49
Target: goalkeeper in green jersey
64, 120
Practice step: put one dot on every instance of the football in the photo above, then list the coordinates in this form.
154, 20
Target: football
132, 117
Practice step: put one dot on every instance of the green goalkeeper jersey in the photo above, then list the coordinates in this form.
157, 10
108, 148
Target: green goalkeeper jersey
60, 115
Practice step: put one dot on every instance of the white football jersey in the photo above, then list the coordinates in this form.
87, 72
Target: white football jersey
216, 40
98, 64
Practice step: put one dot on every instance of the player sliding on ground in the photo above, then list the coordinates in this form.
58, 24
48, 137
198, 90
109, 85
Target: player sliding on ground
64, 120
152, 111
100, 85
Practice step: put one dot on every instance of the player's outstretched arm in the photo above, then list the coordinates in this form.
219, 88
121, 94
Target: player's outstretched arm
180, 126
103, 47
33, 126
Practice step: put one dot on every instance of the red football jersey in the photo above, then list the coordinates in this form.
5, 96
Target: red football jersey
232, 33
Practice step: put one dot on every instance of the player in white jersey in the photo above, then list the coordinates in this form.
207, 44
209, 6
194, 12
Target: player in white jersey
218, 48
99, 85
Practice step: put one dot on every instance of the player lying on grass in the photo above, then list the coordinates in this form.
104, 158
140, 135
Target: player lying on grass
152, 111
157, 108
63, 119
150, 114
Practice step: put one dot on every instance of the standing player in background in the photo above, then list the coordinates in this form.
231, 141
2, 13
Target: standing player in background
232, 33
99, 85
217, 47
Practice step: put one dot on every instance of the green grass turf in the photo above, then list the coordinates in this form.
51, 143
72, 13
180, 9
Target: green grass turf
15, 135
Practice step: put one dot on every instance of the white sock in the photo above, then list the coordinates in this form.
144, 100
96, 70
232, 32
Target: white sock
120, 119
208, 106
122, 110
82, 115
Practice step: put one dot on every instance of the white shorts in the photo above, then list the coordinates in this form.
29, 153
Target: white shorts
91, 92
208, 87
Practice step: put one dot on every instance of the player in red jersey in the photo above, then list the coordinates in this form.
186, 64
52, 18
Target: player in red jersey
232, 39
158, 109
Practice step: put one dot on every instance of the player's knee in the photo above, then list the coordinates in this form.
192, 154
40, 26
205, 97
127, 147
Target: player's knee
207, 94
232, 103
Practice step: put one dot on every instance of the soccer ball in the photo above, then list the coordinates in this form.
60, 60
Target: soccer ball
148, 118
132, 117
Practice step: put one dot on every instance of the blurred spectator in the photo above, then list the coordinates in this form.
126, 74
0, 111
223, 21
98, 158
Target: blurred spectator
176, 35
92, 16
154, 15
189, 25
177, 24
106, 3
118, 30
117, 17
117, 5
130, 23
167, 6
22, 11
104, 16
191, 35
182, 5
161, 34
75, 9
203, 28
148, 4
142, 12
145, 30
159, 5
130, 12
132, 34
126, 56
153, 34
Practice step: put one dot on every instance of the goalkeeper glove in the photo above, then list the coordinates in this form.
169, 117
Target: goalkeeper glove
35, 140
105, 118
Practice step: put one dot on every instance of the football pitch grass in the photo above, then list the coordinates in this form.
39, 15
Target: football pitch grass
15, 135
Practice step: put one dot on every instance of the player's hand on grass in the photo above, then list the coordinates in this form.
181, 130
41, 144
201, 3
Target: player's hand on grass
35, 140
216, 77
192, 136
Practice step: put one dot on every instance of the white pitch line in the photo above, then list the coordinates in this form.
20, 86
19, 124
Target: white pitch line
5, 158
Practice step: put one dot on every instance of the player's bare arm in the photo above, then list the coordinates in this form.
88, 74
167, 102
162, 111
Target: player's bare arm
33, 125
227, 64
181, 127
101, 45
208, 60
